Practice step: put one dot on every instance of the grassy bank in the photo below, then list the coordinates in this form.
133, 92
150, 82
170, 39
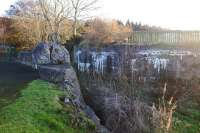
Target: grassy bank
38, 110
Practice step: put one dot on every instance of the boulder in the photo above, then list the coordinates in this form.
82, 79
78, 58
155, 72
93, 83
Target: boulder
59, 54
45, 53
53, 64
41, 54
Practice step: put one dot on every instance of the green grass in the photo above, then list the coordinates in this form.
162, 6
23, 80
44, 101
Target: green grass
38, 110
187, 120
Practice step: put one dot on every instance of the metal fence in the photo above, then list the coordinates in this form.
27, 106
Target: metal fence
169, 37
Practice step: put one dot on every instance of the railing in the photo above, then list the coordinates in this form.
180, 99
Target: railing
169, 37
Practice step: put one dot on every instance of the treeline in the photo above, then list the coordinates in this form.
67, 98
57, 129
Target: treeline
30, 21
135, 26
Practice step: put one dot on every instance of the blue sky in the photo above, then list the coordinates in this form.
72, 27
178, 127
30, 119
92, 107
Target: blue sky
173, 14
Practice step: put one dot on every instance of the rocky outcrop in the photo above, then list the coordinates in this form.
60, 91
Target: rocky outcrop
65, 76
59, 54
53, 64
147, 63
41, 54
50, 54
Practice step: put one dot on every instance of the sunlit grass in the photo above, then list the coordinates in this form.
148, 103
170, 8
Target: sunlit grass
38, 110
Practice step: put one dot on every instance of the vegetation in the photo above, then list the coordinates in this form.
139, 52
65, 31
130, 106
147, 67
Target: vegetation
99, 31
187, 118
178, 106
28, 22
39, 110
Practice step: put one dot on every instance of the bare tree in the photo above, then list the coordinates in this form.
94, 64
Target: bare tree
40, 20
46, 20
55, 12
80, 9
28, 26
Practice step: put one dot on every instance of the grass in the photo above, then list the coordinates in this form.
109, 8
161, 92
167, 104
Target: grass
187, 119
39, 110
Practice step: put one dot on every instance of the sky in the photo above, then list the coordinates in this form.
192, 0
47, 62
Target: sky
172, 14
4, 5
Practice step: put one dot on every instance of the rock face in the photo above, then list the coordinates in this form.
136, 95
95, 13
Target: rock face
119, 114
53, 64
59, 54
50, 54
53, 73
147, 63
64, 75
41, 54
